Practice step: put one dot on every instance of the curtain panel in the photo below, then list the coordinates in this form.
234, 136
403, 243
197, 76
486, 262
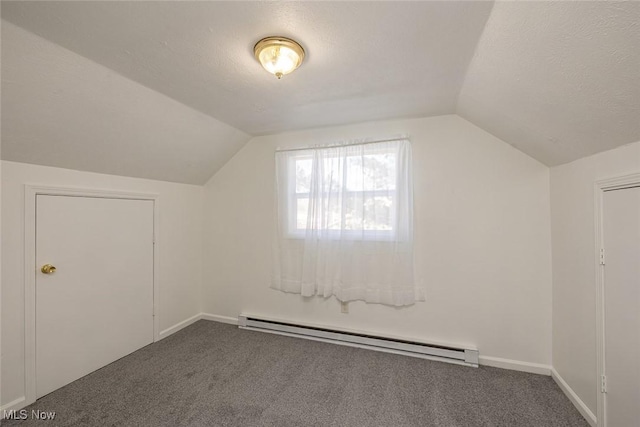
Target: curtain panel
345, 223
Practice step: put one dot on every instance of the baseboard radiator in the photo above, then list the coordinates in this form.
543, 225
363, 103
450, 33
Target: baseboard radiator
457, 355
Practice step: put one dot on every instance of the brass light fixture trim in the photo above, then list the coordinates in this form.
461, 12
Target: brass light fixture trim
279, 55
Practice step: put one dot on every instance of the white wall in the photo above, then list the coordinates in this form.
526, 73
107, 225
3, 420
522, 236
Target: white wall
1, 353
574, 270
482, 241
180, 245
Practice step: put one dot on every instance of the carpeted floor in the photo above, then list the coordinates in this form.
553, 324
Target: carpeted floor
212, 374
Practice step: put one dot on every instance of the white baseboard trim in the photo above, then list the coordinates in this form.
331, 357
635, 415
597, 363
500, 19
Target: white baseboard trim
193, 319
515, 365
175, 328
573, 397
15, 405
221, 319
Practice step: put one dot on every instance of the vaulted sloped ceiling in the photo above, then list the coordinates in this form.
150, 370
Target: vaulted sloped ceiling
365, 60
170, 90
96, 85
558, 80
61, 109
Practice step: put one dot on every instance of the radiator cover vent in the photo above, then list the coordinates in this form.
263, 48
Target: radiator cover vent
451, 354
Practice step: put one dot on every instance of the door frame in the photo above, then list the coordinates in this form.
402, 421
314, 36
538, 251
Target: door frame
601, 186
31, 192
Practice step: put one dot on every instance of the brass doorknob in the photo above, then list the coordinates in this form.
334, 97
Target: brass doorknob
48, 269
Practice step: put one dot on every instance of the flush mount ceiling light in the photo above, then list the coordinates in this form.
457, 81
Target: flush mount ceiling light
279, 55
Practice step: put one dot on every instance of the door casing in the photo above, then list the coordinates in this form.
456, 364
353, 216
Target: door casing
616, 183
31, 191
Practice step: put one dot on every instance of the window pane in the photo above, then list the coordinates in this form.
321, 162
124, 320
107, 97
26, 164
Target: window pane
303, 175
353, 216
331, 212
371, 172
377, 213
329, 215
369, 213
331, 169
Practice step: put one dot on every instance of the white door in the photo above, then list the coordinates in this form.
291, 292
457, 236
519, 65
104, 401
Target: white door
621, 226
98, 304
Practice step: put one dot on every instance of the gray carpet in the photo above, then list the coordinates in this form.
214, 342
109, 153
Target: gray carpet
211, 374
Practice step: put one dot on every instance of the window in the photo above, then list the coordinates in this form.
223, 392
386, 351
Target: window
345, 223
354, 194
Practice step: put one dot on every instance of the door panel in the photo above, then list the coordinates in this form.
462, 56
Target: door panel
621, 226
98, 305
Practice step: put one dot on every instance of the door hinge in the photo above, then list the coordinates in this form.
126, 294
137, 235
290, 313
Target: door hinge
603, 384
601, 256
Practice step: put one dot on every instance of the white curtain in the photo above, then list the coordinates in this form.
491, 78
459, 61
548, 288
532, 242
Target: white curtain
345, 223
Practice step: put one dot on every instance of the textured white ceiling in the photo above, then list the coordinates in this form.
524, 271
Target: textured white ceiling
365, 60
558, 80
60, 109
170, 90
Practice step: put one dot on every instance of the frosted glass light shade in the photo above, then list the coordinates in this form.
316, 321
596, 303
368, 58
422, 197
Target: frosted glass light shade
279, 55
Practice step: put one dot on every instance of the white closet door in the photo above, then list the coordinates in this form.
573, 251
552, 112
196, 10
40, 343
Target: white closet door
98, 305
622, 306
